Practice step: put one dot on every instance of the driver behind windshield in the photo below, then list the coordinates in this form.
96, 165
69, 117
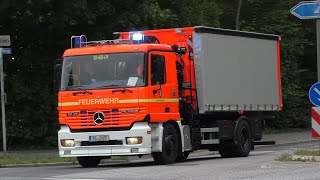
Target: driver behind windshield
87, 74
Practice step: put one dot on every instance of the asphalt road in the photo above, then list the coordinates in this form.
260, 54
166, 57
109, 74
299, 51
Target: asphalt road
201, 165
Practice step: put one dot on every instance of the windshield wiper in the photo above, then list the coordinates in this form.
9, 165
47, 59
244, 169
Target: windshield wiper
81, 91
111, 85
123, 89
107, 86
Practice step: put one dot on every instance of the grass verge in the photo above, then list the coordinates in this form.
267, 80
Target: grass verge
10, 160
307, 152
20, 159
285, 157
269, 130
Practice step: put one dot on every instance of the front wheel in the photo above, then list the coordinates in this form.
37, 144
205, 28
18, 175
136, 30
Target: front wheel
89, 161
169, 146
183, 156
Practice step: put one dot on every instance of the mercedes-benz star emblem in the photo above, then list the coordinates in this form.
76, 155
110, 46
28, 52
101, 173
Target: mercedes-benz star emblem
98, 117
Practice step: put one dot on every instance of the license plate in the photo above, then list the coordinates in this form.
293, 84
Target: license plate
98, 138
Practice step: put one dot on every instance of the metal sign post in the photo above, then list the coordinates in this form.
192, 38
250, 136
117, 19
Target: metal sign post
318, 48
310, 10
4, 41
4, 134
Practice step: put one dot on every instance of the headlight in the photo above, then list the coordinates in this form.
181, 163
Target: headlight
134, 140
67, 143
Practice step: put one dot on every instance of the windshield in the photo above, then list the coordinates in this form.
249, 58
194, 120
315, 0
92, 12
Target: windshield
103, 71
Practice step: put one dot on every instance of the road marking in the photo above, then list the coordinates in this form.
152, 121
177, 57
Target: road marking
261, 152
266, 166
61, 178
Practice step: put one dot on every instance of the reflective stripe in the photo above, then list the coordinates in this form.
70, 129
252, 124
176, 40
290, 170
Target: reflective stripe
159, 100
129, 101
124, 101
68, 104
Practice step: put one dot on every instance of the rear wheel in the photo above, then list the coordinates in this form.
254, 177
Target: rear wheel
89, 161
243, 139
226, 150
169, 146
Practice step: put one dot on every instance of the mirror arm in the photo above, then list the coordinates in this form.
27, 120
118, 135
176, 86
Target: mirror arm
160, 91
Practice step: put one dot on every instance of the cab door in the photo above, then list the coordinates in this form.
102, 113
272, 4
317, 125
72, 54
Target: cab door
163, 93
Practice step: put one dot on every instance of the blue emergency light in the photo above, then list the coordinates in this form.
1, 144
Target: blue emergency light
136, 37
78, 41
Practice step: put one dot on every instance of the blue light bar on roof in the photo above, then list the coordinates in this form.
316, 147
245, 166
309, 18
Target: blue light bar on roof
77, 41
137, 36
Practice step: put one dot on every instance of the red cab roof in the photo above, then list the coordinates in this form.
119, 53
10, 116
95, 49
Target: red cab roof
115, 48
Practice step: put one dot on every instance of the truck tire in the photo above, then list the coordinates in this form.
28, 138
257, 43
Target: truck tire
89, 161
169, 146
183, 157
243, 139
226, 150
243, 143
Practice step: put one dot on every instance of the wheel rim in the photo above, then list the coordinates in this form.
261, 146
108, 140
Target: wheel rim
244, 138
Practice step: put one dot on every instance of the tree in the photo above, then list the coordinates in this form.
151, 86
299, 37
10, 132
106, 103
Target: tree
239, 12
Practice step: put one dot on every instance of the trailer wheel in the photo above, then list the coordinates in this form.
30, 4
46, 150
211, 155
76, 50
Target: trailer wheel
169, 146
243, 138
89, 161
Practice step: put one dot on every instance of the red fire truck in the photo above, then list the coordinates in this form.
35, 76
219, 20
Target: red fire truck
166, 92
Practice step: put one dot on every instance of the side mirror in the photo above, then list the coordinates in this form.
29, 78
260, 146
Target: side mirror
179, 50
57, 74
156, 90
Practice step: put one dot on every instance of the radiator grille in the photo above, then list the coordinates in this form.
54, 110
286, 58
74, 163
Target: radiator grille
112, 118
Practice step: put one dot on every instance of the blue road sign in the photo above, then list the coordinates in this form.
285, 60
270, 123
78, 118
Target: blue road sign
6, 51
314, 94
307, 10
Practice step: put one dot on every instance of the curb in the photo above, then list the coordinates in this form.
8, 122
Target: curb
58, 164
287, 143
306, 158
37, 164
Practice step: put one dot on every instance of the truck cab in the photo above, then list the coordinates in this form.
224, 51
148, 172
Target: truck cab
113, 97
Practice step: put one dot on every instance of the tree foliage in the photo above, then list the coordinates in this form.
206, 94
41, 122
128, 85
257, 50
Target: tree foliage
40, 32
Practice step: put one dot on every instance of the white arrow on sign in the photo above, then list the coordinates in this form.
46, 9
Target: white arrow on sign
317, 11
317, 91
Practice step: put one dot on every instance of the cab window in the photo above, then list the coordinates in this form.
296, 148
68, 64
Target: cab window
158, 70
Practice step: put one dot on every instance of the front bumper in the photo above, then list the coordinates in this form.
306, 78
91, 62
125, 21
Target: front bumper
83, 148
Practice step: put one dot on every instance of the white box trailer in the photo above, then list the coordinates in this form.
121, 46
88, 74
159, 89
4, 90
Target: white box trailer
237, 70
